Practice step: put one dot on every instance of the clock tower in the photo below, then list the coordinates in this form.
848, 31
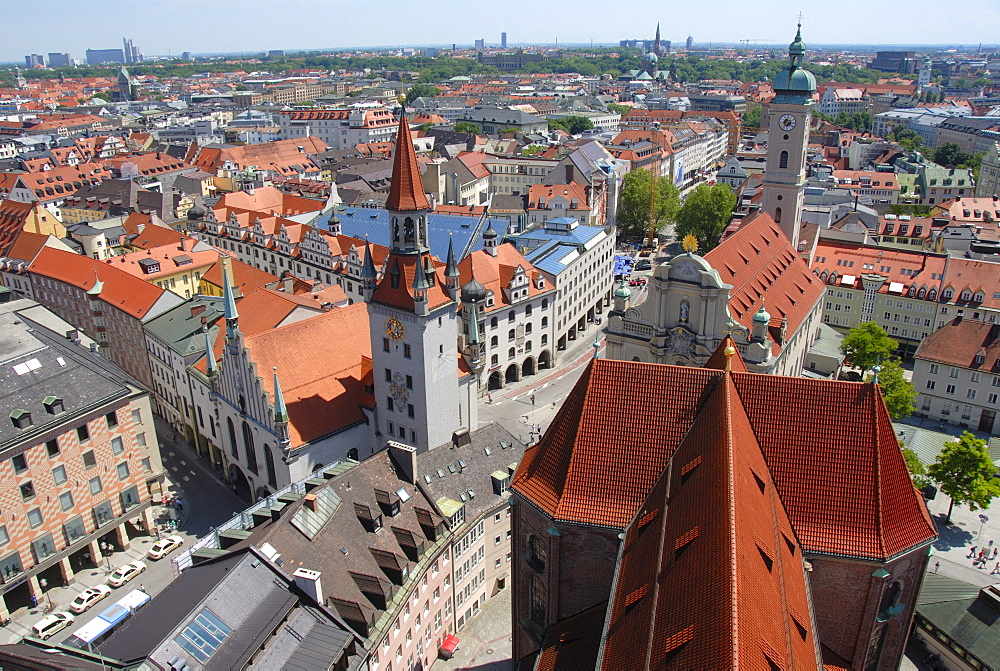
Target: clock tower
787, 140
412, 313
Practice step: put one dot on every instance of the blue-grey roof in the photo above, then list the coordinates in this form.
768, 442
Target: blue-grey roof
551, 248
467, 232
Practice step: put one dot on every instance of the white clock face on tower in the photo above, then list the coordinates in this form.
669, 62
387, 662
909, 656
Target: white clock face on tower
786, 122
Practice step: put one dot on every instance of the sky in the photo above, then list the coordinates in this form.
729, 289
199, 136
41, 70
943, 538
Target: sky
205, 26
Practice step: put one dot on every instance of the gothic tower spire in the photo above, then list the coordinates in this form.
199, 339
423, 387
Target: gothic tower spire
407, 203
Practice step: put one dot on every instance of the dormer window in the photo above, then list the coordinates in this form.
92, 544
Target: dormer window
53, 405
21, 419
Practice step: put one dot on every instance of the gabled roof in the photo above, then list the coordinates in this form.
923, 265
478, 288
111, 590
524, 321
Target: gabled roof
496, 273
744, 605
761, 265
121, 290
323, 394
584, 471
407, 192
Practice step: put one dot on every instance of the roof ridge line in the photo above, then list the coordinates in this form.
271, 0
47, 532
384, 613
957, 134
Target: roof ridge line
873, 394
727, 387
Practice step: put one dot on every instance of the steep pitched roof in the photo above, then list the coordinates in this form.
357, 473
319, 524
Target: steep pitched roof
745, 604
760, 263
584, 471
407, 192
129, 294
323, 394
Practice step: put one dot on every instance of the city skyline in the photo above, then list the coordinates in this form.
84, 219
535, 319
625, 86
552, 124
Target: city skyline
215, 28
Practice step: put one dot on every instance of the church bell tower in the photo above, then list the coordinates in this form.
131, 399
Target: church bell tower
787, 140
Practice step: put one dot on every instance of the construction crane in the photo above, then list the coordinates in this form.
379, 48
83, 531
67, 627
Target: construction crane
747, 42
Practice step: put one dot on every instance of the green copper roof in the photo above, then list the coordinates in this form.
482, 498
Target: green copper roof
794, 83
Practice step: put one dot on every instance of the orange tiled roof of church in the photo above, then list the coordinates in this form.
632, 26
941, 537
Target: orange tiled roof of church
585, 470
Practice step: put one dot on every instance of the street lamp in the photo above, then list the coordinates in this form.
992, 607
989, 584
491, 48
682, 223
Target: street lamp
45, 583
106, 551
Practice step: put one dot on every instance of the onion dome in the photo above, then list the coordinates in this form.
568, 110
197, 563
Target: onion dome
473, 291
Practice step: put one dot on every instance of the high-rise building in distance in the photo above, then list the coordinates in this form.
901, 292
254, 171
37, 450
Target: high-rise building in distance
503, 40
57, 60
34, 61
480, 44
101, 56
689, 43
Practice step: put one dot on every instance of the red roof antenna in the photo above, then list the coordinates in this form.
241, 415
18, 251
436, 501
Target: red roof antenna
406, 193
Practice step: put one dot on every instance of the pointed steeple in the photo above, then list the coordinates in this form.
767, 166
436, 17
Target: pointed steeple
280, 411
419, 275
451, 269
211, 366
406, 194
229, 302
474, 324
368, 272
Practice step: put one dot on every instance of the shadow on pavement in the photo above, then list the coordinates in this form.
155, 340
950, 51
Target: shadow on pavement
951, 536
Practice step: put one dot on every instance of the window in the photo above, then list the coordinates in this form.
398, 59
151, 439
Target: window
66, 501
112, 419
934, 369
59, 475
930, 384
511, 335
19, 462
388, 375
409, 410
385, 344
117, 446
147, 465
137, 416
4, 537
27, 491
123, 470
96, 487
950, 389
140, 438
89, 460
953, 372
83, 433
35, 518
52, 447
970, 393
406, 351
203, 635
783, 160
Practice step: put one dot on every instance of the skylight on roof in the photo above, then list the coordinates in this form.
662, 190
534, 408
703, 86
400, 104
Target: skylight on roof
403, 495
27, 366
203, 635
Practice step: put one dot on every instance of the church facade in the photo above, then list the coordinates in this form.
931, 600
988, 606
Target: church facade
754, 286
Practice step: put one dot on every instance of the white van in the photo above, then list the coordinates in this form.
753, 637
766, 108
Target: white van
52, 624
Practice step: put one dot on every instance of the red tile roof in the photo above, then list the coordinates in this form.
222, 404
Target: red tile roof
406, 192
960, 341
401, 295
843, 263
323, 394
496, 272
760, 263
853, 496
712, 535
121, 290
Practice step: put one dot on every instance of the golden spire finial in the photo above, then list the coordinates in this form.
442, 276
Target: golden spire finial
729, 352
690, 244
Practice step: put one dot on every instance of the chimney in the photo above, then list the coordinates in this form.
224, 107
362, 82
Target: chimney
197, 310
310, 502
309, 582
405, 459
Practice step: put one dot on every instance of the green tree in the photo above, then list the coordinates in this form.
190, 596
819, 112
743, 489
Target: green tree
751, 118
867, 345
966, 473
706, 212
574, 125
918, 472
508, 129
633, 206
907, 138
615, 108
466, 127
950, 155
897, 391
420, 90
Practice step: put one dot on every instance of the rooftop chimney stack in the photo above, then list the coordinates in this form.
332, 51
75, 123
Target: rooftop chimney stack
309, 582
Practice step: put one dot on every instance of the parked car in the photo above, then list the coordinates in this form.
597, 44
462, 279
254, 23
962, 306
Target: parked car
52, 624
164, 546
125, 572
88, 598
644, 265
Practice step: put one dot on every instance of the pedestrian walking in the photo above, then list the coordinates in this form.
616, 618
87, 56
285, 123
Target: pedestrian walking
34, 600
142, 588
532, 399
489, 398
972, 552
996, 569
937, 565
995, 550
179, 505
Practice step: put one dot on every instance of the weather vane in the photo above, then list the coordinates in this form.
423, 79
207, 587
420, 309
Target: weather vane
690, 244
